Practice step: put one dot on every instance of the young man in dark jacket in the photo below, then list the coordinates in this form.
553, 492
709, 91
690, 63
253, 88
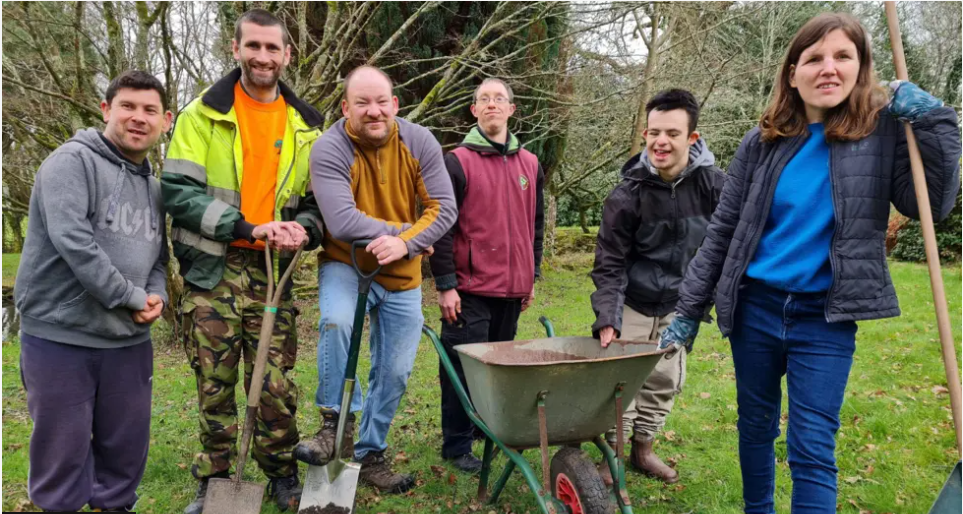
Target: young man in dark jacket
92, 280
485, 266
652, 225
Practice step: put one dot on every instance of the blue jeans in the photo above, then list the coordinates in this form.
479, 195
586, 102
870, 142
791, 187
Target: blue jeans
396, 321
778, 333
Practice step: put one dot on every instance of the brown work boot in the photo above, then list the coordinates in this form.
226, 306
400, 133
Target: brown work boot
646, 461
375, 471
318, 450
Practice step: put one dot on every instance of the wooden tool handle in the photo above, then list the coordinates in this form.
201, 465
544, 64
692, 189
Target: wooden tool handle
929, 237
272, 300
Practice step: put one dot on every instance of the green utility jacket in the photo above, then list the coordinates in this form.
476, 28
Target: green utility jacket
201, 181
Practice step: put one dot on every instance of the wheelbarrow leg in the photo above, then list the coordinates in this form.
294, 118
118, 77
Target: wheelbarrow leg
487, 457
617, 469
503, 478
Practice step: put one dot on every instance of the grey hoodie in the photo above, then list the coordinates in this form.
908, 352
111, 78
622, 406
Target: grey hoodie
95, 248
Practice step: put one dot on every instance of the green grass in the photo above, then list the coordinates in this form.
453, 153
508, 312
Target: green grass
895, 447
11, 261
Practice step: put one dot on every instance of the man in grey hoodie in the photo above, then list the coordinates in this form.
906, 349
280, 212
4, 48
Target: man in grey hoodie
653, 223
92, 279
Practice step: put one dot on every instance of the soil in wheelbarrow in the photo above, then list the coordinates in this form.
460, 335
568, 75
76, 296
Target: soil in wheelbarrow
519, 356
330, 508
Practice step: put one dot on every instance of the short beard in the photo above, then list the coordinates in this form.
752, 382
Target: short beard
370, 139
252, 79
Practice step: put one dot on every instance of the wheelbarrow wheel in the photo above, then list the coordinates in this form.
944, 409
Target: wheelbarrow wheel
577, 484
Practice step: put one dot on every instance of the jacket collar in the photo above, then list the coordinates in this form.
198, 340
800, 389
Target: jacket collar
220, 97
477, 142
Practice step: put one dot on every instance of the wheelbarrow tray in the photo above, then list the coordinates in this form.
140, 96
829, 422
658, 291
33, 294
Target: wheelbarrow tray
504, 380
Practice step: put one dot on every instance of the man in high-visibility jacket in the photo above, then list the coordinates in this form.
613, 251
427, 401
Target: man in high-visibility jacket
236, 177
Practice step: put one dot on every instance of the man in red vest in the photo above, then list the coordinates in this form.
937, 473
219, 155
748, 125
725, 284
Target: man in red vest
485, 266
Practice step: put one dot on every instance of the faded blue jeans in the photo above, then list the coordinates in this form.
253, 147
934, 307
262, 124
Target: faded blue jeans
395, 326
778, 333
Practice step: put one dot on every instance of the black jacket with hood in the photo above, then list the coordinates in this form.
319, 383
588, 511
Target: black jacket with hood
650, 231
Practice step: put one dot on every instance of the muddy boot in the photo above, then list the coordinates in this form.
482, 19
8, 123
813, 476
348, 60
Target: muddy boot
376, 472
286, 492
644, 460
318, 450
197, 506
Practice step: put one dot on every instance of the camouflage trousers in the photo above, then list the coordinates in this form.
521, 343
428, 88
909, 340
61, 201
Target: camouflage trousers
222, 327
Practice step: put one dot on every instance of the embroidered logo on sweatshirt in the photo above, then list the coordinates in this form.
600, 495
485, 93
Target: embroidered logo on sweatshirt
523, 182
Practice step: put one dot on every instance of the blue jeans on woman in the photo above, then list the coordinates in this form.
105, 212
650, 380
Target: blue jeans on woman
779, 333
395, 332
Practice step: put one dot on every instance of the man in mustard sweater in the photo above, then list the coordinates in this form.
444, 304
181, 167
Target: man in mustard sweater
367, 171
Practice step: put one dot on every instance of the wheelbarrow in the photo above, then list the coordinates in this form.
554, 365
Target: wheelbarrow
557, 391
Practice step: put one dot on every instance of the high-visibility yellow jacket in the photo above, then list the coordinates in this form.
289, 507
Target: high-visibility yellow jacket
201, 180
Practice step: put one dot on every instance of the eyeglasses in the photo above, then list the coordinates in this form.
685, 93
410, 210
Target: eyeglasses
486, 100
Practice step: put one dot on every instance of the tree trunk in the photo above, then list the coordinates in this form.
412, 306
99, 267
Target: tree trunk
651, 65
551, 217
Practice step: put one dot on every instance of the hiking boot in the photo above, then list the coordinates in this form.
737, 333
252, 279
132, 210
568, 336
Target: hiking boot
318, 450
286, 492
376, 472
644, 460
197, 506
466, 462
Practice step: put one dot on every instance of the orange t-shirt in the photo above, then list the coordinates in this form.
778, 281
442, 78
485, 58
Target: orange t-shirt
262, 132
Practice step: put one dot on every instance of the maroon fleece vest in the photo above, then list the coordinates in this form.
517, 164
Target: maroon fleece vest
494, 244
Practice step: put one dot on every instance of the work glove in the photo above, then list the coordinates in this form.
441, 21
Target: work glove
909, 102
680, 333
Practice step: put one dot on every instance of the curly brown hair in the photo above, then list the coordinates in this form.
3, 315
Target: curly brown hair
853, 119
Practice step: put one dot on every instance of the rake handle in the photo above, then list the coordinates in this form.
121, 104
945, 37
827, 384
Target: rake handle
273, 299
929, 237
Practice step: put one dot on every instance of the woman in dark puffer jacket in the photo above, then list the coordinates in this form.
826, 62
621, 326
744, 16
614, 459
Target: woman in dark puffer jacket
795, 251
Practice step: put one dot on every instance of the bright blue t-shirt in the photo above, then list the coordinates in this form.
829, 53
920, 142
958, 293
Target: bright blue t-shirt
793, 254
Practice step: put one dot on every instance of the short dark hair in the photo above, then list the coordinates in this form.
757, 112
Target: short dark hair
672, 99
135, 79
261, 18
494, 80
350, 75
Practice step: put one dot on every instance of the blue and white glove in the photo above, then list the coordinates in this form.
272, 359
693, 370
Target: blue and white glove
909, 102
680, 333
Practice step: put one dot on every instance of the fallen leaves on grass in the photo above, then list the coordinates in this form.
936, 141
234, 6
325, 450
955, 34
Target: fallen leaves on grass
705, 396
938, 390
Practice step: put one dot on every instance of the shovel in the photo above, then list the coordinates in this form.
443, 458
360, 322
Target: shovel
949, 498
234, 496
330, 489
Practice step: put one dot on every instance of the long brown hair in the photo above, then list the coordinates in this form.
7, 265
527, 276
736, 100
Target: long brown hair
853, 119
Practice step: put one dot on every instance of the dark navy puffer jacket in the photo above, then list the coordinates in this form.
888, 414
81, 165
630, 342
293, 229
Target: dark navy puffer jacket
867, 175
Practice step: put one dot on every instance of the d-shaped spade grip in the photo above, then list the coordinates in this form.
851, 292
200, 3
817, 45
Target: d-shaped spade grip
365, 278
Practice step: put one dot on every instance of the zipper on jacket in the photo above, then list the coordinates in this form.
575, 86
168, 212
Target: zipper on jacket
237, 174
753, 240
287, 175
675, 237
832, 240
508, 198
381, 173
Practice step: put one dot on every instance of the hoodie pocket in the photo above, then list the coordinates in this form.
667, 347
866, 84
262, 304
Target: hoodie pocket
87, 314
